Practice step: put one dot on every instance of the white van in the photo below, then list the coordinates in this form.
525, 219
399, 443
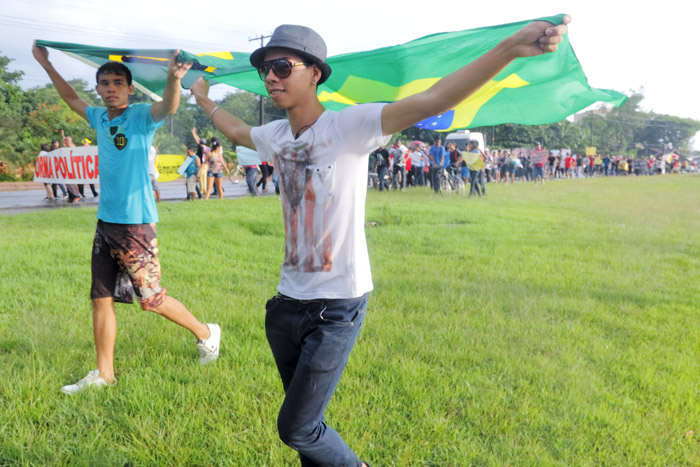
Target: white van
461, 139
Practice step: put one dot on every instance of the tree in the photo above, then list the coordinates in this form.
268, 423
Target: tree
665, 132
11, 114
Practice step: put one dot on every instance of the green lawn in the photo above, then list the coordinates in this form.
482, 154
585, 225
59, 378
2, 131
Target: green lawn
551, 325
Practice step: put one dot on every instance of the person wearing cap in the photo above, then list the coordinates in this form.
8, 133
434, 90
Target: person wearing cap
321, 158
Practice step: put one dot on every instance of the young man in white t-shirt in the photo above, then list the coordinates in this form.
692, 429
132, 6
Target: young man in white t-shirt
322, 161
398, 153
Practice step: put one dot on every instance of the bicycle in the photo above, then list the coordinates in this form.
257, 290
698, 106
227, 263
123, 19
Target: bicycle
450, 181
373, 180
234, 174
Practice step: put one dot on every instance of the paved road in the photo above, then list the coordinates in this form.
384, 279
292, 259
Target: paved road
30, 196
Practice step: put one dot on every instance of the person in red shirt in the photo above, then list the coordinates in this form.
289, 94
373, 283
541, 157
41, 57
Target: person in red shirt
568, 165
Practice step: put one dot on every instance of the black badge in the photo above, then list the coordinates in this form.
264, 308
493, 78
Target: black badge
120, 141
113, 130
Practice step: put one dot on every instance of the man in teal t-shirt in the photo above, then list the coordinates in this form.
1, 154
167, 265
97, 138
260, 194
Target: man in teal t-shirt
125, 248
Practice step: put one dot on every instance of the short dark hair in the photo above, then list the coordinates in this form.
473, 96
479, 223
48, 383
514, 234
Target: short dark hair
114, 68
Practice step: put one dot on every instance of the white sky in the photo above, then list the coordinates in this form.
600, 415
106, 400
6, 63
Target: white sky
621, 45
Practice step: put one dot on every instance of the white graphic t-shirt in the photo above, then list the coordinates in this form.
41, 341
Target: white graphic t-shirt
323, 185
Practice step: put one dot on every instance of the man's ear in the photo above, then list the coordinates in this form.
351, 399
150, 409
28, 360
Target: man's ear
131, 90
317, 74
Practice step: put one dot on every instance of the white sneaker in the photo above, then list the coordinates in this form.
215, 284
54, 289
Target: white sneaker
209, 347
92, 379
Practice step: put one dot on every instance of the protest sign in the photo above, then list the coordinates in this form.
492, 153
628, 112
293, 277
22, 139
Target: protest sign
68, 165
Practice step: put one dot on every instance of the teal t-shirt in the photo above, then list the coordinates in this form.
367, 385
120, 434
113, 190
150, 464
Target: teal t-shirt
192, 169
126, 196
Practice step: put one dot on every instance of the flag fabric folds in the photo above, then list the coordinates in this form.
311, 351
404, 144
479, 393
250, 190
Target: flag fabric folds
530, 91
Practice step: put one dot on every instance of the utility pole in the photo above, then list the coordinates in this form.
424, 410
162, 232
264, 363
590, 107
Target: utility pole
261, 99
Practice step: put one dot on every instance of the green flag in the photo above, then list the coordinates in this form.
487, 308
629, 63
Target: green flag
530, 91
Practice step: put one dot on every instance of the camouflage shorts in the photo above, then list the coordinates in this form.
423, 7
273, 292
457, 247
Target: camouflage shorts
124, 262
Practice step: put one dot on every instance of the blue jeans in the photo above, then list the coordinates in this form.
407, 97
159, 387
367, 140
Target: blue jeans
311, 341
251, 175
381, 172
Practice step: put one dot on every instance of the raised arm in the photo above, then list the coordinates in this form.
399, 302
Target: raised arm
195, 135
233, 127
171, 94
64, 89
537, 38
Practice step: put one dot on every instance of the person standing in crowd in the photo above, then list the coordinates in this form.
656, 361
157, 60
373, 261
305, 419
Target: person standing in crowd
454, 155
476, 171
551, 160
85, 143
606, 165
538, 158
153, 171
569, 165
398, 154
527, 166
251, 174
417, 161
191, 172
488, 165
203, 154
44, 149
436, 155
464, 171
383, 165
322, 159
264, 174
505, 165
125, 248
215, 170
55, 186
596, 164
74, 191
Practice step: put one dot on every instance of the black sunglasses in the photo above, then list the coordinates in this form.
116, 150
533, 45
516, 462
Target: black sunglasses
281, 67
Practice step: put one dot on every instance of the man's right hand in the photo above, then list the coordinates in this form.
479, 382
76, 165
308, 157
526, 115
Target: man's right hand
200, 88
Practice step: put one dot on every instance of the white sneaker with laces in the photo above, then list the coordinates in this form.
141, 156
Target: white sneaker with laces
92, 379
209, 347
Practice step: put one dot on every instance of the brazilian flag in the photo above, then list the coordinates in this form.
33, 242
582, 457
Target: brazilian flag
530, 91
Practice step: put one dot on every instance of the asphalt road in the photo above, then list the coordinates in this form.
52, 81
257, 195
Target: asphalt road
24, 197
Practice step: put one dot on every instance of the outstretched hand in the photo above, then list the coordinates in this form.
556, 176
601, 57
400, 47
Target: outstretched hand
40, 54
200, 88
176, 69
539, 37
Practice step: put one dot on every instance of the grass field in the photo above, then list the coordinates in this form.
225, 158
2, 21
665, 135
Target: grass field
553, 325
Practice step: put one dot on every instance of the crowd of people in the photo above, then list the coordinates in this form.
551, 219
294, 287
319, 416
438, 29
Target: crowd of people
206, 168
398, 167
313, 320
418, 164
203, 175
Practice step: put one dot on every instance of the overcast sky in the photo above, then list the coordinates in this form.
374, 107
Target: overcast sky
621, 45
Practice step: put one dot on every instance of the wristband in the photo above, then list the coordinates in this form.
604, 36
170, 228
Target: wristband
211, 115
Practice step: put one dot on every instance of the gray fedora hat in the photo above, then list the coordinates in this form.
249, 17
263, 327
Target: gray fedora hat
306, 42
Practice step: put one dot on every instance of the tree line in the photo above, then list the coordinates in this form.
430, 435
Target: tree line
37, 115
